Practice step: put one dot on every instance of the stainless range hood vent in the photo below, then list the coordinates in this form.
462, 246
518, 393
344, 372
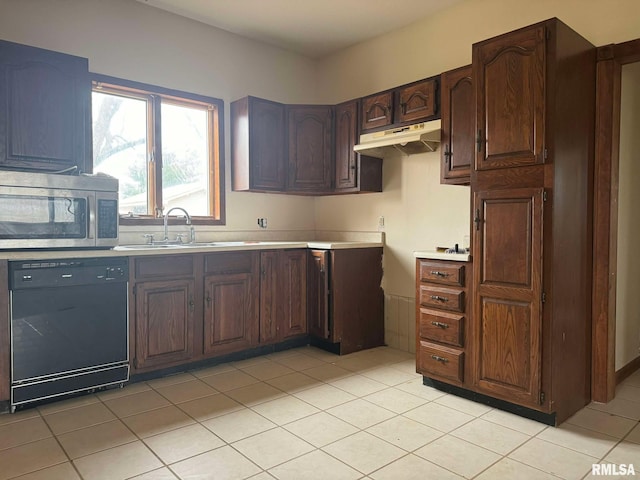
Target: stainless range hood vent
418, 138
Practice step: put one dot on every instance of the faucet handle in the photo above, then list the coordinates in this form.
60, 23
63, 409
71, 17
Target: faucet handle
180, 236
149, 237
192, 234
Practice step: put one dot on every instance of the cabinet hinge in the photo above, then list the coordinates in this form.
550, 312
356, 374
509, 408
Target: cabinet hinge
544, 297
545, 153
544, 196
542, 397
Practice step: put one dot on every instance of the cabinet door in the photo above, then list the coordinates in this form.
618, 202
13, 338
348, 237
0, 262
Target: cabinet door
346, 138
228, 313
268, 296
509, 72
44, 109
377, 110
164, 322
416, 102
318, 294
266, 144
458, 126
507, 313
293, 298
310, 148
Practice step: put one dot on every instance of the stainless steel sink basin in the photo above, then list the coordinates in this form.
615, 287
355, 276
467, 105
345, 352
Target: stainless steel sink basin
154, 246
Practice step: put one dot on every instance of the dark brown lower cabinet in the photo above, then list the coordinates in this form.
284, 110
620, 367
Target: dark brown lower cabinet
283, 294
164, 322
345, 300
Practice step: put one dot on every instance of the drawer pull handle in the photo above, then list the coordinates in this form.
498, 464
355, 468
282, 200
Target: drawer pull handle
440, 324
439, 359
438, 298
439, 274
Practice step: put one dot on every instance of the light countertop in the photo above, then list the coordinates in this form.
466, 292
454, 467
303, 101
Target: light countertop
433, 255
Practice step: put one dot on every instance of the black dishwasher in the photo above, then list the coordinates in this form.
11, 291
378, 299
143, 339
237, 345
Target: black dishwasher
69, 326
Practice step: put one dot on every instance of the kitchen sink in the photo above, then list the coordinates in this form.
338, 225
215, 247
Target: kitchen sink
153, 246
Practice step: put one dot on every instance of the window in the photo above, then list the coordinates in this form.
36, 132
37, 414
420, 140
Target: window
164, 146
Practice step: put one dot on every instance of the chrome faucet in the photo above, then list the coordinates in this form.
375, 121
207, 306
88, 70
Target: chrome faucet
192, 231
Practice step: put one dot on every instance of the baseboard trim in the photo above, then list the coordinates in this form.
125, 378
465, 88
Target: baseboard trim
627, 370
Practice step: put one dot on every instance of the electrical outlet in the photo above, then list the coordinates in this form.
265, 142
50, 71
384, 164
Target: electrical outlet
381, 223
262, 222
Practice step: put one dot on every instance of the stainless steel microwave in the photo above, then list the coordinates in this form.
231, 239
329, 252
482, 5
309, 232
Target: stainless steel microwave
41, 210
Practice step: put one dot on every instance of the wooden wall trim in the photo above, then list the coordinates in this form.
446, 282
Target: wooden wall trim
627, 52
626, 371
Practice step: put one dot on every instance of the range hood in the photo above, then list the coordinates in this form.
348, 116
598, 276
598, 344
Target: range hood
419, 138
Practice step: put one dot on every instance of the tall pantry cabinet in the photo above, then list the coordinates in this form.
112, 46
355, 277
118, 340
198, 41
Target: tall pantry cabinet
532, 210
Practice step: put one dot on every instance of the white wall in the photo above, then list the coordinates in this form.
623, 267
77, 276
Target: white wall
419, 212
628, 265
127, 39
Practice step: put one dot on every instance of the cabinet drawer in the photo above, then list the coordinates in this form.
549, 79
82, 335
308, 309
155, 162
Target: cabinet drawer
229, 262
439, 361
163, 266
441, 327
442, 297
440, 272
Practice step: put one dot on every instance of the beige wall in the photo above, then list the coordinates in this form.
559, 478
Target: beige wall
127, 39
419, 212
628, 280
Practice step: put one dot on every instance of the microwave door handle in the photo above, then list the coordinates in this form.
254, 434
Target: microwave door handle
91, 206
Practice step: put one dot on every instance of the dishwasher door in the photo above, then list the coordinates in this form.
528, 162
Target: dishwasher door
69, 328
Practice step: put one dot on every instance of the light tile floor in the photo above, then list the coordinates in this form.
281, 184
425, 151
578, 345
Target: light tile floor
307, 414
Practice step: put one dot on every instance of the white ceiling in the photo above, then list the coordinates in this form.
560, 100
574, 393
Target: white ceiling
314, 28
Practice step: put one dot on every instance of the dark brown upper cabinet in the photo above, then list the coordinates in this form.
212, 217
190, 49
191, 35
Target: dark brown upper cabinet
45, 115
458, 126
411, 103
353, 172
310, 132
258, 156
416, 101
510, 78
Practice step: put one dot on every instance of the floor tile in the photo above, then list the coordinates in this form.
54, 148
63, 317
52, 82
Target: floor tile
293, 382
118, 463
508, 469
267, 370
284, 410
67, 404
554, 459
358, 385
514, 422
63, 471
405, 433
364, 452
580, 439
358, 363
136, 403
491, 436
128, 389
327, 373
316, 465
634, 435
7, 418
255, 394
388, 376
238, 425
299, 362
318, 353
633, 380
215, 370
406, 366
272, 447
230, 380
361, 413
395, 400
262, 476
463, 405
86, 441
458, 456
251, 361
170, 380
226, 462
324, 396
25, 431
619, 406
30, 457
411, 467
321, 429
185, 391
210, 407
80, 417
625, 452
439, 417
160, 474
183, 443
602, 422
157, 421
628, 392
417, 388
291, 352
